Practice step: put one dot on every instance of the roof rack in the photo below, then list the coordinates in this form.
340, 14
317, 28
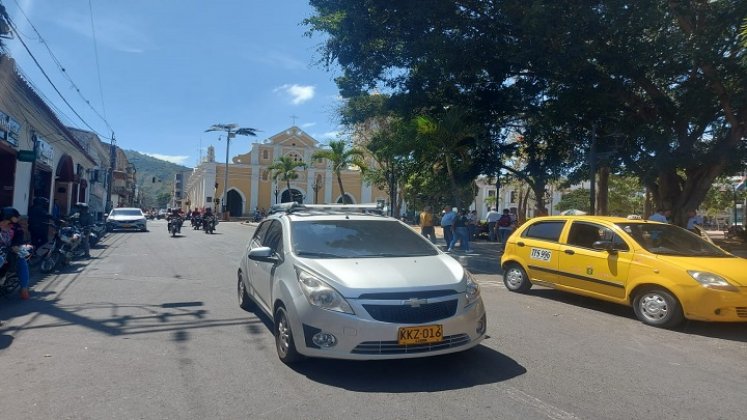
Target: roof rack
294, 207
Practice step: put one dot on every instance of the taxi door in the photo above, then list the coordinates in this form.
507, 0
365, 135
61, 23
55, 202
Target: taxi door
538, 249
596, 272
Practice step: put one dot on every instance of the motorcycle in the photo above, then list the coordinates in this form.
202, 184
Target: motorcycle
196, 222
66, 246
175, 225
9, 280
208, 224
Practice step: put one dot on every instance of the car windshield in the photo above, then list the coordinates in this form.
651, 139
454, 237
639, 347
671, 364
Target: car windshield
665, 239
357, 239
126, 212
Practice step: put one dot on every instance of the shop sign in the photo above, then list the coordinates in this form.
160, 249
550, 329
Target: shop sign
25, 155
45, 152
9, 129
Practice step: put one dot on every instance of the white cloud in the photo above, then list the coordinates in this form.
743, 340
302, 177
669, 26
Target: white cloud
307, 125
298, 93
111, 32
330, 135
178, 159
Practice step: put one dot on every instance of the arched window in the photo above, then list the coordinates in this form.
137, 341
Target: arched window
265, 175
265, 154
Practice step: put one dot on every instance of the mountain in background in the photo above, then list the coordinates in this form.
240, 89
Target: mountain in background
154, 194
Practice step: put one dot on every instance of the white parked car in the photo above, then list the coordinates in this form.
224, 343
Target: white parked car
343, 282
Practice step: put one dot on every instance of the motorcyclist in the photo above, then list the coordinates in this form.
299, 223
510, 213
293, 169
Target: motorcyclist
175, 217
39, 222
85, 220
11, 236
208, 217
195, 217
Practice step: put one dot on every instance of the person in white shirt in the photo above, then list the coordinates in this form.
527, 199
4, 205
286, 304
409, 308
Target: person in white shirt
661, 215
492, 218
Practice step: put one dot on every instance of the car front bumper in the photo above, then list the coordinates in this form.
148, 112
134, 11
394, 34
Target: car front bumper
704, 304
122, 224
359, 338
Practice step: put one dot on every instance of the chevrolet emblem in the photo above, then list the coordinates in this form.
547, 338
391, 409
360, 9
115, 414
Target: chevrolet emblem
415, 302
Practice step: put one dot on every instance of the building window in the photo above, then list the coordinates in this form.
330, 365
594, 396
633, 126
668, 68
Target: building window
265, 175
295, 156
265, 154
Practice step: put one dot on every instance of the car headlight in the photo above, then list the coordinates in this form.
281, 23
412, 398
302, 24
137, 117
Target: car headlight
712, 281
320, 294
473, 289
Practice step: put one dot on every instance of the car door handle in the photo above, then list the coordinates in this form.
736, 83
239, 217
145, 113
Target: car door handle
569, 251
520, 243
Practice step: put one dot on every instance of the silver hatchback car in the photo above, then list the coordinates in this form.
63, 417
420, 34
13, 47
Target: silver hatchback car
344, 282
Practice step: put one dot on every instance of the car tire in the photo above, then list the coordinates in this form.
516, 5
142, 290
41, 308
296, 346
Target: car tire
245, 302
657, 307
284, 344
515, 278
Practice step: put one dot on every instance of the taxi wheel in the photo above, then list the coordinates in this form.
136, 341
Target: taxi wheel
516, 279
284, 343
657, 307
245, 302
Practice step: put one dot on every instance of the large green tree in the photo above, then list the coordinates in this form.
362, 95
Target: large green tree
666, 80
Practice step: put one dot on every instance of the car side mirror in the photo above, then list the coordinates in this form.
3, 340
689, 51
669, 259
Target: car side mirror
263, 254
604, 246
106, 214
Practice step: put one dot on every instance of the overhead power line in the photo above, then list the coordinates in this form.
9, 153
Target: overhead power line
61, 68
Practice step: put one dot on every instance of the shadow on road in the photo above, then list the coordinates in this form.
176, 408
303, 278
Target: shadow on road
725, 331
478, 366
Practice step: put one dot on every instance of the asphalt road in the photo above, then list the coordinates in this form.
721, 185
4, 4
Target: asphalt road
150, 328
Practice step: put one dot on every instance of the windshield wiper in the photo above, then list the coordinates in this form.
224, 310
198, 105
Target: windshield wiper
317, 254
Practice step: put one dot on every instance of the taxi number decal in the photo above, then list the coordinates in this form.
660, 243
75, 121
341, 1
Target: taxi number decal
540, 254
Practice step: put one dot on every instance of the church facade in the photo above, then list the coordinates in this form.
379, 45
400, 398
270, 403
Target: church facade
251, 186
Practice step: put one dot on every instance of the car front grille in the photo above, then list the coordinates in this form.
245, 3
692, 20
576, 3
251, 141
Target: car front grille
742, 311
392, 347
406, 314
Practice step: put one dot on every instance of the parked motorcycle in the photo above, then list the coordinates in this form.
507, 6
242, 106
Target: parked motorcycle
66, 247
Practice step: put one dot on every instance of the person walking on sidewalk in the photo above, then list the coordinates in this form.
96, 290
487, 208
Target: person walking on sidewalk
426, 224
505, 227
447, 223
461, 233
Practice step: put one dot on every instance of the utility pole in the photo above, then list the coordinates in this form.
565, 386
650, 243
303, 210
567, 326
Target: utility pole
231, 131
593, 170
110, 175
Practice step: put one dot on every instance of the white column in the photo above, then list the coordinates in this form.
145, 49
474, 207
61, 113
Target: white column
328, 186
254, 188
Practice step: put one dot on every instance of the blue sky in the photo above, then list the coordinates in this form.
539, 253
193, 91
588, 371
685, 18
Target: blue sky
172, 68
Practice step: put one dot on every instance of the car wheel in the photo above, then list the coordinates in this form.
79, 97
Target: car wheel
245, 302
516, 279
657, 307
284, 343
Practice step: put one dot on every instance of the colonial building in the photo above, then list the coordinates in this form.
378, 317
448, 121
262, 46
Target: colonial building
251, 185
39, 156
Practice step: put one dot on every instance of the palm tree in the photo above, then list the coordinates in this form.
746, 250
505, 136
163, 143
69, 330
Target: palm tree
341, 158
449, 140
284, 169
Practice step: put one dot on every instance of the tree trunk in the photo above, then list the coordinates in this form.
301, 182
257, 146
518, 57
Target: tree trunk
456, 196
342, 190
603, 191
538, 188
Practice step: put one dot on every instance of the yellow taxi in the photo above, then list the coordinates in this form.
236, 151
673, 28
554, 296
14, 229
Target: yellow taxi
664, 272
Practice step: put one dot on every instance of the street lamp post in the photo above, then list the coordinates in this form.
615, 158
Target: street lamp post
276, 194
231, 131
316, 186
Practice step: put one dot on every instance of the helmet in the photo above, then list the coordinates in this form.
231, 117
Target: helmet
9, 213
82, 205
